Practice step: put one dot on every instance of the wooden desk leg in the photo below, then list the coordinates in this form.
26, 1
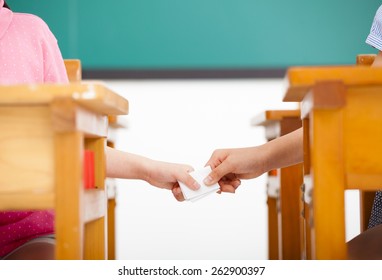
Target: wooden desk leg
273, 227
291, 179
69, 195
305, 222
301, 224
326, 147
95, 244
75, 239
95, 236
111, 228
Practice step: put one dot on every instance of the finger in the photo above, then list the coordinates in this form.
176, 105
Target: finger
189, 168
216, 158
233, 181
177, 192
217, 173
228, 188
210, 163
236, 183
187, 179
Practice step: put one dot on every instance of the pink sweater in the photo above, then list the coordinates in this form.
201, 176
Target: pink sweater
28, 54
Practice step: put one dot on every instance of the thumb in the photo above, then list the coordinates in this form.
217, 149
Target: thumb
189, 181
216, 174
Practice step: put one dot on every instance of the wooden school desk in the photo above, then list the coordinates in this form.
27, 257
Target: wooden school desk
285, 239
341, 108
44, 130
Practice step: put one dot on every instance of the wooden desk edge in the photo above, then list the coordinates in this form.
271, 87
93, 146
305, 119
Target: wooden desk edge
93, 95
270, 116
302, 79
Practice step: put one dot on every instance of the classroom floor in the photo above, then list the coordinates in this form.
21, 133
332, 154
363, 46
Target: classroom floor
184, 121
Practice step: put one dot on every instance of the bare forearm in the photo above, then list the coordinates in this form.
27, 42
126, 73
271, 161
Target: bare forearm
284, 151
125, 165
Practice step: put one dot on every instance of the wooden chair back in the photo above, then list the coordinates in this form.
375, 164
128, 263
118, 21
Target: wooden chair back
365, 59
73, 69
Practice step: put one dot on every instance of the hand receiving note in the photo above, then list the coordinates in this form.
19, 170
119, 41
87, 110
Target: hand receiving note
199, 175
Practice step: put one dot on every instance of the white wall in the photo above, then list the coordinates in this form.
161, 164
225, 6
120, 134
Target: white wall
184, 121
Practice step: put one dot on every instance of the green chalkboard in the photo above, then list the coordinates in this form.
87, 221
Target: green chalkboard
205, 34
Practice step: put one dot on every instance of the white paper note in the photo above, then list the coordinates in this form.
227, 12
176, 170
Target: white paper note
204, 190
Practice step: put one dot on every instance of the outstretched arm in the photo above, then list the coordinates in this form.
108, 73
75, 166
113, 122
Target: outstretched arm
229, 165
158, 173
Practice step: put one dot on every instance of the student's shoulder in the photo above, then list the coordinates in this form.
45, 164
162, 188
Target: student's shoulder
34, 25
29, 20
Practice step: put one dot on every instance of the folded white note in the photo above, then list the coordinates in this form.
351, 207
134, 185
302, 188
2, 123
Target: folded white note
199, 176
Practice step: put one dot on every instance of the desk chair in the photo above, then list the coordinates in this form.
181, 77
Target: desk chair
342, 124
73, 69
285, 235
44, 130
365, 59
